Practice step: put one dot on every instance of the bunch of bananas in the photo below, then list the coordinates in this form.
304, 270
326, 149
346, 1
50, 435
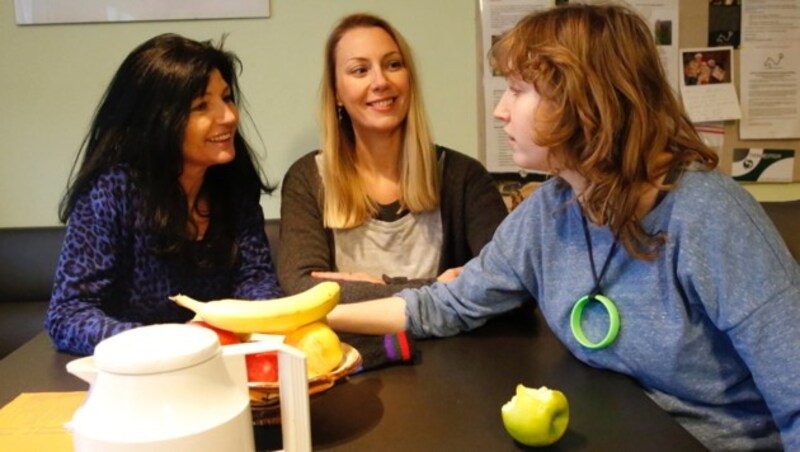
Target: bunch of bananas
276, 316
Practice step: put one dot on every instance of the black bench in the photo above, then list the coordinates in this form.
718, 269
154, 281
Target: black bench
28, 258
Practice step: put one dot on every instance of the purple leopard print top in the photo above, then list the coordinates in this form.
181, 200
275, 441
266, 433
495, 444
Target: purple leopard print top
108, 280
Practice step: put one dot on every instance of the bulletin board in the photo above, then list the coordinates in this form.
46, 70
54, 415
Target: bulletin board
694, 31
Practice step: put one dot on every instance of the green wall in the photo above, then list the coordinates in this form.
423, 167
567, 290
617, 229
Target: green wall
52, 77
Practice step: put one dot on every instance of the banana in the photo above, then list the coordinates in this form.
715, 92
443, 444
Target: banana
276, 316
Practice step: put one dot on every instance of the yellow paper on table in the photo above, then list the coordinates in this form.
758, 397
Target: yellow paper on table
35, 421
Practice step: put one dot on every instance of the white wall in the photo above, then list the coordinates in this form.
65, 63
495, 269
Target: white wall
52, 77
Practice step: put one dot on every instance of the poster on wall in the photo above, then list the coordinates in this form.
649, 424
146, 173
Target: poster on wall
770, 70
724, 23
763, 165
31, 12
497, 17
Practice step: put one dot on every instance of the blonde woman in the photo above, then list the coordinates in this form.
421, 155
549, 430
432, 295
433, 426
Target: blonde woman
643, 259
380, 208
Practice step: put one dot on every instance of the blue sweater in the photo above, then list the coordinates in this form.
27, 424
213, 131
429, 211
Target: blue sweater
710, 329
108, 280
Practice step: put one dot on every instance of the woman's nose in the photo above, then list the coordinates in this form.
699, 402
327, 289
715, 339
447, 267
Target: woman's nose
379, 80
501, 110
229, 114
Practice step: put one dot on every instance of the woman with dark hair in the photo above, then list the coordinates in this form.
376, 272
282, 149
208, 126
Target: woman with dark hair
165, 200
642, 258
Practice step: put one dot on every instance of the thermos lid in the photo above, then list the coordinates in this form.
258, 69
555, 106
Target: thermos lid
155, 349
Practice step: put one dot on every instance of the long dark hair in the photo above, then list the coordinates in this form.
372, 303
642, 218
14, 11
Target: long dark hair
140, 125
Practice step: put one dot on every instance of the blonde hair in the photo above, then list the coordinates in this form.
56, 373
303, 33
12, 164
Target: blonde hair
609, 110
346, 203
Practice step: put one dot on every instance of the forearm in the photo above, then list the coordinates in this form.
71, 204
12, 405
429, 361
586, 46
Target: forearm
77, 327
254, 277
382, 316
305, 245
304, 248
354, 291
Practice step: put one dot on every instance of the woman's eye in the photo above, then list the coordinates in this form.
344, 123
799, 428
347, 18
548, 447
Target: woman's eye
395, 65
199, 106
229, 99
358, 70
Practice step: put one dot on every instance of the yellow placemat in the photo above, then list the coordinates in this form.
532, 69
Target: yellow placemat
35, 421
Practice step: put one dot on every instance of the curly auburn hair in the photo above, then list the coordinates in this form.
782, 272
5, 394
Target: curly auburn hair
611, 114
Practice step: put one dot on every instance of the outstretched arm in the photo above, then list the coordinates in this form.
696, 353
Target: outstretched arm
382, 316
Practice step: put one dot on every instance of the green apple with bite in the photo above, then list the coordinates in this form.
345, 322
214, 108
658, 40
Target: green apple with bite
536, 417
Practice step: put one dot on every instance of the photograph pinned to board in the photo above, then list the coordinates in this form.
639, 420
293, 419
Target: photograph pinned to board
763, 165
724, 23
707, 87
32, 12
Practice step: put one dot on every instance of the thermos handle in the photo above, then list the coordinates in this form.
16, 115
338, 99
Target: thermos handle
293, 380
295, 417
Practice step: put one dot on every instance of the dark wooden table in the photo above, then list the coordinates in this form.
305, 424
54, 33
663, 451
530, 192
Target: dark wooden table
450, 400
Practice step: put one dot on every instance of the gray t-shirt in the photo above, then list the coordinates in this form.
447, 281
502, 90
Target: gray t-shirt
407, 247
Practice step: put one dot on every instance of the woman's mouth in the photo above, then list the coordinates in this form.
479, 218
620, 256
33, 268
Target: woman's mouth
221, 138
382, 103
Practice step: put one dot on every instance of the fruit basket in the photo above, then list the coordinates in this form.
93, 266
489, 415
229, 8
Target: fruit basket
265, 396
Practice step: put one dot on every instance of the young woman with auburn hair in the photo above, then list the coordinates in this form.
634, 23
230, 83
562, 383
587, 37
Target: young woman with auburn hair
643, 258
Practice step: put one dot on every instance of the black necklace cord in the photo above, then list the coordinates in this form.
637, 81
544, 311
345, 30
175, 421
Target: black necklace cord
597, 279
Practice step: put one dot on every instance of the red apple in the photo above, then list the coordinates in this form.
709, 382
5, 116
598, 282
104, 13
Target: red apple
262, 366
225, 337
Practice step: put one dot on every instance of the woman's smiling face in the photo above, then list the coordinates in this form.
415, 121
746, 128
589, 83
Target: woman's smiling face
372, 81
208, 139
